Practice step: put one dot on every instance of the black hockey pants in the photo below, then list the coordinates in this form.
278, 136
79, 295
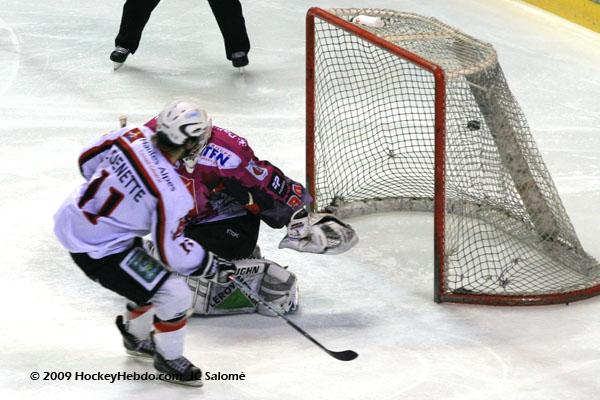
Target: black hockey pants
232, 238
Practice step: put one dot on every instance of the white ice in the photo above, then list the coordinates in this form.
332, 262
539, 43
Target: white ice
58, 91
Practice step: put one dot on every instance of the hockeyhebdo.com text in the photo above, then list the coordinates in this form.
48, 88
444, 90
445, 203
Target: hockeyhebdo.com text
112, 377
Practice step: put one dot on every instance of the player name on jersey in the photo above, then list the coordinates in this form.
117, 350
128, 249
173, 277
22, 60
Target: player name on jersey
126, 175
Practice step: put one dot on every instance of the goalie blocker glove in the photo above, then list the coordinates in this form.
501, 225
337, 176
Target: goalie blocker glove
320, 233
215, 268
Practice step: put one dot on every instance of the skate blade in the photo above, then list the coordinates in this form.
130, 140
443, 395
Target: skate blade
196, 383
241, 70
139, 354
117, 65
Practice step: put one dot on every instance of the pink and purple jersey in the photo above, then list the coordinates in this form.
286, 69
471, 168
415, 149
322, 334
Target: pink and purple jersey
229, 180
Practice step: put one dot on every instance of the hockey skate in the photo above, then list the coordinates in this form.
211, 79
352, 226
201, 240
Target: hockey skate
134, 346
179, 370
239, 59
118, 57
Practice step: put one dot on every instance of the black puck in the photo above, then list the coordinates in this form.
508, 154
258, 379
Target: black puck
474, 125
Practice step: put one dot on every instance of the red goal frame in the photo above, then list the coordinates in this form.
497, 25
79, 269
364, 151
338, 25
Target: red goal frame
440, 294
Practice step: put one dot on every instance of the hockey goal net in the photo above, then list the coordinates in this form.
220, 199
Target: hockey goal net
411, 114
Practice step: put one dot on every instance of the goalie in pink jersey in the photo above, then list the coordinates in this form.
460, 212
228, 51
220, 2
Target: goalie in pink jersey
233, 191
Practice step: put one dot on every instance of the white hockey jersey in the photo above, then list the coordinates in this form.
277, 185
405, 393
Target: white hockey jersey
131, 190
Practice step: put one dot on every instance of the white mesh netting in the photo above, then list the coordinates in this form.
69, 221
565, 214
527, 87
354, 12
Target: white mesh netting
506, 231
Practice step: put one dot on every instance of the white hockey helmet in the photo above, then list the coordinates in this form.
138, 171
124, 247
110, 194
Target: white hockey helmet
182, 120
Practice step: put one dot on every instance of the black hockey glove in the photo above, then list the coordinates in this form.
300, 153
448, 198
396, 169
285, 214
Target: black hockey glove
215, 268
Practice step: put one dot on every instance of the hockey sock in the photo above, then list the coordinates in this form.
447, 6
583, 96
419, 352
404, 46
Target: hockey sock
139, 320
168, 337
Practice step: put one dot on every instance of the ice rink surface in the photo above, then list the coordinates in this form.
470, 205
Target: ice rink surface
58, 92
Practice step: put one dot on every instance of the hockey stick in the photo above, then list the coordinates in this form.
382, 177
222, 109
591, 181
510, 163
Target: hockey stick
346, 355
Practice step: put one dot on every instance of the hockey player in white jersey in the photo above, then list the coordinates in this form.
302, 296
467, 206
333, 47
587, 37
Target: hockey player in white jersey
132, 190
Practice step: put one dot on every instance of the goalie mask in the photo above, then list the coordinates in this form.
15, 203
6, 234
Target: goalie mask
191, 159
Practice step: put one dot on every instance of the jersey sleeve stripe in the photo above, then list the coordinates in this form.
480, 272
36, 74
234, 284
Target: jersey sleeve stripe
151, 186
93, 152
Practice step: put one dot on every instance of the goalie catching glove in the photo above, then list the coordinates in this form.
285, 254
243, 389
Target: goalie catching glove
319, 233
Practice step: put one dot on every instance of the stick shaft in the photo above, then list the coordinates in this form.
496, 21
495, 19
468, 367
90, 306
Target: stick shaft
243, 286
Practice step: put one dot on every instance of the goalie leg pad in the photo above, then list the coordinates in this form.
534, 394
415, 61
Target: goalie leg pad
216, 299
210, 298
279, 287
270, 280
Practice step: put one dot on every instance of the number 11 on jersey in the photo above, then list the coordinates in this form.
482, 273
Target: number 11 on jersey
109, 204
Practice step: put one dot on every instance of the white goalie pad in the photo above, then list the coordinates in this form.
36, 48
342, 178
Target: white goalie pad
279, 288
320, 233
271, 281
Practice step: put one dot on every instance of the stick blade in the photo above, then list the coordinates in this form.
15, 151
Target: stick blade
346, 355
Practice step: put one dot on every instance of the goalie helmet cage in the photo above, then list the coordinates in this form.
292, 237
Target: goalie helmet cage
415, 115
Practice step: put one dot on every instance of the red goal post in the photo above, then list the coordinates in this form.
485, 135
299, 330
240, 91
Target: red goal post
316, 12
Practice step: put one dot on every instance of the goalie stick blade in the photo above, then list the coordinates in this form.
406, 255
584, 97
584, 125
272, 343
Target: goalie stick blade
346, 355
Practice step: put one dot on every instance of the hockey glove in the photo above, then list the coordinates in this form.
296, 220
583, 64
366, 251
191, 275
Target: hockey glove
320, 233
148, 245
215, 268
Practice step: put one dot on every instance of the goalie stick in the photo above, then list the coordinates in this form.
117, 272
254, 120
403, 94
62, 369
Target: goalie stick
346, 355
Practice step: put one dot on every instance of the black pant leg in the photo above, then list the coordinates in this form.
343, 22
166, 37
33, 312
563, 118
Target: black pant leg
232, 238
136, 14
228, 14
108, 272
